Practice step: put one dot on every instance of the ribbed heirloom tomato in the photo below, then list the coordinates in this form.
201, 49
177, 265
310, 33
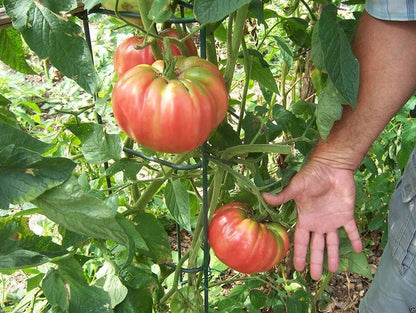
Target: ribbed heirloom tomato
128, 54
174, 114
244, 244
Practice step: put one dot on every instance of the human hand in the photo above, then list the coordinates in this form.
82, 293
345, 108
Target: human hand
324, 198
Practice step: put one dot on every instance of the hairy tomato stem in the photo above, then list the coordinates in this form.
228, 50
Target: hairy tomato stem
149, 192
235, 35
148, 26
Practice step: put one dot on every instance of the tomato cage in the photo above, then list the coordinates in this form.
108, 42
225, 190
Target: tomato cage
203, 165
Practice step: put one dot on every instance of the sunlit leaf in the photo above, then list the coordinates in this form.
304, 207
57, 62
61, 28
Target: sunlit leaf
54, 36
177, 201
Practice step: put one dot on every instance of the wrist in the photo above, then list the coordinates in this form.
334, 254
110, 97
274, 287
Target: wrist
343, 156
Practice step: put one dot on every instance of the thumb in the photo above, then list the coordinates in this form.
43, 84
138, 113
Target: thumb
284, 196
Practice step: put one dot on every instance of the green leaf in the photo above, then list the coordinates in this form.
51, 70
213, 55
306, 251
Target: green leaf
160, 11
329, 109
299, 301
81, 296
177, 201
135, 237
4, 101
24, 174
376, 222
257, 298
34, 281
331, 52
22, 259
21, 248
80, 212
155, 236
96, 145
256, 8
303, 108
408, 139
61, 39
210, 11
108, 279
261, 72
142, 284
89, 4
285, 50
297, 31
129, 167
186, 299
11, 136
70, 238
54, 289
288, 122
239, 292
11, 51
224, 136
7, 117
351, 261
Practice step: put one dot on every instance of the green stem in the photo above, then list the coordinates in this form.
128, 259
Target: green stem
134, 188
322, 287
27, 212
101, 245
309, 10
266, 34
22, 304
248, 63
149, 192
255, 148
283, 85
122, 18
248, 278
31, 308
215, 199
148, 26
176, 276
63, 257
210, 44
169, 60
234, 37
76, 113
45, 64
250, 186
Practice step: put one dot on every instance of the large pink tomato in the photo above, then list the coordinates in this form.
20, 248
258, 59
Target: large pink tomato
175, 114
244, 244
128, 53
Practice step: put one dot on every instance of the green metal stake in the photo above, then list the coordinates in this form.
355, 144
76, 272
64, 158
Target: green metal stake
205, 195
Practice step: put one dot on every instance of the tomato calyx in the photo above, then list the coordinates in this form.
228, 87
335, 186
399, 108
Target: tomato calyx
169, 61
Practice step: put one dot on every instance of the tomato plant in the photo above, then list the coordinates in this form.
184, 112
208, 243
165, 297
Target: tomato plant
109, 210
130, 53
170, 114
244, 244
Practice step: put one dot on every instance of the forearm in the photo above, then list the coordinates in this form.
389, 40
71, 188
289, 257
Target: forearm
386, 52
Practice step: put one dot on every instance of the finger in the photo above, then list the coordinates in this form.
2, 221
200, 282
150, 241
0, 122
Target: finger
354, 236
332, 246
300, 248
282, 197
317, 255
